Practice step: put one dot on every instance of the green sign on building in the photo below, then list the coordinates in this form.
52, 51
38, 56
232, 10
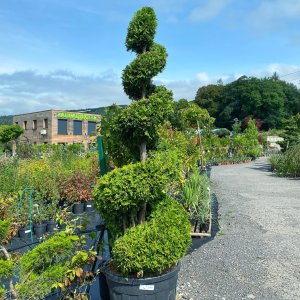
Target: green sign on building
65, 115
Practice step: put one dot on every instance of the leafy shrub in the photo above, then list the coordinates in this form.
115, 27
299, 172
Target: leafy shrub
76, 188
155, 246
37, 286
196, 197
121, 195
6, 268
53, 251
287, 164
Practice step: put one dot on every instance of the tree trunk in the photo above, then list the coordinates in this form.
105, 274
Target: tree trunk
142, 214
143, 151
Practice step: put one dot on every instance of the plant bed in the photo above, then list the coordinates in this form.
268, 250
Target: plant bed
132, 288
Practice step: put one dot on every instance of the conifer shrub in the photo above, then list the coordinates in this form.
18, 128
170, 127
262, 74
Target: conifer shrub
121, 195
155, 246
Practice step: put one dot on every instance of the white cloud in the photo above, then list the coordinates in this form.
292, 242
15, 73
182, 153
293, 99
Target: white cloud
26, 91
289, 73
208, 10
272, 14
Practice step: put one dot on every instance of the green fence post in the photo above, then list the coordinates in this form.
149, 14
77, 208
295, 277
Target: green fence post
101, 155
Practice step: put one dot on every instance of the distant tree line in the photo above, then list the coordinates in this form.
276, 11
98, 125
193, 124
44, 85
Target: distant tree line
269, 100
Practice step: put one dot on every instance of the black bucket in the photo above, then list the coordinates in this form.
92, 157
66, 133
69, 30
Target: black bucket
153, 288
39, 230
78, 208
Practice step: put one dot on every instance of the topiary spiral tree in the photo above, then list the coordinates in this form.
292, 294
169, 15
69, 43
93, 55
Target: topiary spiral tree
137, 77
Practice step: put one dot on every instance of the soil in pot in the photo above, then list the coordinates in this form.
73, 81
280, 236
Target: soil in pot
51, 225
78, 208
24, 232
159, 287
39, 230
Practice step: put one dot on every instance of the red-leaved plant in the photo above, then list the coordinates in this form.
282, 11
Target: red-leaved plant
76, 188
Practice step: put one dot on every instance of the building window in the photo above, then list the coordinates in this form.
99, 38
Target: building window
91, 128
25, 125
45, 123
62, 126
77, 127
34, 124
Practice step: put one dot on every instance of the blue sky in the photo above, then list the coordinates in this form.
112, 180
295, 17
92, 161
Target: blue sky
69, 54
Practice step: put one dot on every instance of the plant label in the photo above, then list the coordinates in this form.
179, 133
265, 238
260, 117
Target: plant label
27, 231
148, 287
88, 205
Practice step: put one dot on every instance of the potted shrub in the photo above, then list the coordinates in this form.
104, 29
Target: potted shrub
39, 219
150, 230
76, 190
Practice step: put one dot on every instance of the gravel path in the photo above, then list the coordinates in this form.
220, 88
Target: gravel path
256, 252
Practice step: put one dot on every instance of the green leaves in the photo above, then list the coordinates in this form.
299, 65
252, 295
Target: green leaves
9, 132
155, 246
141, 30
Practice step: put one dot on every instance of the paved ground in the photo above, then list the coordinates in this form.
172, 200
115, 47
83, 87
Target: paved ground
256, 252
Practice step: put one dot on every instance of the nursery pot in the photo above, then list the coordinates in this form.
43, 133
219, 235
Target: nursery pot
88, 206
159, 287
39, 229
78, 208
24, 232
51, 225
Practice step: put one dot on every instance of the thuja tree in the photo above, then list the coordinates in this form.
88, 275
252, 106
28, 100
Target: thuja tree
137, 125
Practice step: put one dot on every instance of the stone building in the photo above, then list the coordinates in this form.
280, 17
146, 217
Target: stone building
57, 127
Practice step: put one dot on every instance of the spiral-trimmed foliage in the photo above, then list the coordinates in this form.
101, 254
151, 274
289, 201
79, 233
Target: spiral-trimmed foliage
151, 57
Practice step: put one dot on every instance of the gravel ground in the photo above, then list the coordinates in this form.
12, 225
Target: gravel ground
255, 249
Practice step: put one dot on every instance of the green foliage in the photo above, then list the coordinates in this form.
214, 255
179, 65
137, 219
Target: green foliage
6, 268
209, 97
37, 285
190, 115
115, 147
196, 197
287, 164
155, 246
9, 132
4, 230
151, 57
140, 122
141, 30
121, 194
247, 144
183, 143
267, 99
51, 252
291, 132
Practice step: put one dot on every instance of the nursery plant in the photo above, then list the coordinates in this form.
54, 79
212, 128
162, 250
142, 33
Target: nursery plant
144, 222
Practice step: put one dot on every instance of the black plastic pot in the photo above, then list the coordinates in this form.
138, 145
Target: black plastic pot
51, 225
88, 207
78, 208
154, 288
39, 229
24, 232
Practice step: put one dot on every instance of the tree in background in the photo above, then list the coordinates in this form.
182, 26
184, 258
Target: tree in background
291, 133
136, 126
190, 116
268, 99
9, 133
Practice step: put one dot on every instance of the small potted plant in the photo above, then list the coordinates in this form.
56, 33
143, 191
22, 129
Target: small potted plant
76, 191
39, 219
